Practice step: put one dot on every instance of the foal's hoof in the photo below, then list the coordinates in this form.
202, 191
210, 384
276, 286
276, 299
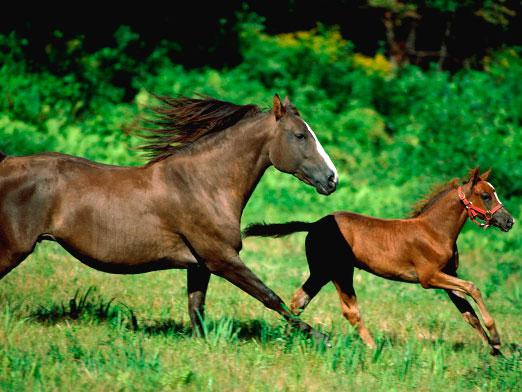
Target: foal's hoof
495, 350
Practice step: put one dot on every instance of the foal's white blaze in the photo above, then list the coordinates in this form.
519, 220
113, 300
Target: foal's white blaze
323, 153
496, 196
494, 193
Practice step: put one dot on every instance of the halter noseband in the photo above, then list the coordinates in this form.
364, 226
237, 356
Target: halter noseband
475, 212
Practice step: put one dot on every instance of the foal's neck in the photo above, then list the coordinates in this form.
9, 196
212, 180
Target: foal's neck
448, 215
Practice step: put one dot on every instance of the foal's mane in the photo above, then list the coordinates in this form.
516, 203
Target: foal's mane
433, 196
179, 122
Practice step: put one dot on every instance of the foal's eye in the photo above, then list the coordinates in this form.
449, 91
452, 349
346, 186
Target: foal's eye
300, 135
486, 196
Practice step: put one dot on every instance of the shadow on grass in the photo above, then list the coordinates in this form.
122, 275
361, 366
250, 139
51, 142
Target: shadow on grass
87, 307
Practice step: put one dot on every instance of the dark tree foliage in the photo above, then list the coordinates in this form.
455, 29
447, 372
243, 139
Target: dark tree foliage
452, 33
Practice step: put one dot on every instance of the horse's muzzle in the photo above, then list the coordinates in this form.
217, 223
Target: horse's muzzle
329, 186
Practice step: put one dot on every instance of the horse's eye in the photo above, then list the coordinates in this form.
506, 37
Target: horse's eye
486, 196
300, 135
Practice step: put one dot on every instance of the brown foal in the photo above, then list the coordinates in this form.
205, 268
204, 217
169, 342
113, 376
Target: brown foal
181, 210
421, 249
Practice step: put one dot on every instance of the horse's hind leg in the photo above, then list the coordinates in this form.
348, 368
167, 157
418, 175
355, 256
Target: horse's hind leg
344, 285
197, 284
9, 260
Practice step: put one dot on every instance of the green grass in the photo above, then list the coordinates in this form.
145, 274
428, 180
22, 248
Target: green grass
64, 326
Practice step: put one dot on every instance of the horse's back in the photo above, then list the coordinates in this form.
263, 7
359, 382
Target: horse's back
110, 217
34, 188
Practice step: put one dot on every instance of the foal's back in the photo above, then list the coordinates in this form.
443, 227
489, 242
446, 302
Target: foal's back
385, 247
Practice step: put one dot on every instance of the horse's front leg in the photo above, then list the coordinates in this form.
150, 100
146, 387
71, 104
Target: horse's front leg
224, 261
197, 284
448, 282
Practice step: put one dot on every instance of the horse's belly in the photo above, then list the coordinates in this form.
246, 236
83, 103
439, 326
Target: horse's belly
132, 254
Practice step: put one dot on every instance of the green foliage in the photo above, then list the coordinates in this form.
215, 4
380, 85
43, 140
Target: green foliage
408, 122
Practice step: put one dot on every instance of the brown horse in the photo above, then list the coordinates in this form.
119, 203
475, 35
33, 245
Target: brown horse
181, 210
421, 249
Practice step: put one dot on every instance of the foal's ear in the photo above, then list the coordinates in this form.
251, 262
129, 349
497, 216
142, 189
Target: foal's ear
279, 109
474, 176
484, 176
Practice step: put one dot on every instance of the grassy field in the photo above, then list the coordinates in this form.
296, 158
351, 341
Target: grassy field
64, 326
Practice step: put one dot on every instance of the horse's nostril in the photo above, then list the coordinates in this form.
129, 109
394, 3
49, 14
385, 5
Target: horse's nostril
331, 178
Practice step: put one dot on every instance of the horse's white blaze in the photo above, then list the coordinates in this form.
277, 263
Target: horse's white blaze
323, 153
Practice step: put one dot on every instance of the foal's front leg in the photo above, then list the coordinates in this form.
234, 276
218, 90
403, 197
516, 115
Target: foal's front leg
470, 316
448, 282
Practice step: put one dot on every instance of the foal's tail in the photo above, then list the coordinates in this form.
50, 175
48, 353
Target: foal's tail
276, 229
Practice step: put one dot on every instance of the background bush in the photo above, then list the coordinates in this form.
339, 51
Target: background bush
380, 122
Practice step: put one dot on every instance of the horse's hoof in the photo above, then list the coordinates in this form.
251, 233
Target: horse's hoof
321, 338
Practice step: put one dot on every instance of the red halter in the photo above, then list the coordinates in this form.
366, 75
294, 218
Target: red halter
475, 212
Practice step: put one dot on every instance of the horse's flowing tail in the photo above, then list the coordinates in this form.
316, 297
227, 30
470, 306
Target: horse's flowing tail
276, 229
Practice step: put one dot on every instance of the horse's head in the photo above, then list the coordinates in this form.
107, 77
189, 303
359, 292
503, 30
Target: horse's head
296, 150
484, 196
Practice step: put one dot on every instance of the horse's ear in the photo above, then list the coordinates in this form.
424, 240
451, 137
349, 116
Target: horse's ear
279, 109
474, 176
289, 106
484, 176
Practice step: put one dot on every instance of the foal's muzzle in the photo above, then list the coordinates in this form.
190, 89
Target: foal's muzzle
503, 220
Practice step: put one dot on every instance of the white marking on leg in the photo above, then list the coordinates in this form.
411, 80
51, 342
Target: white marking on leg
323, 153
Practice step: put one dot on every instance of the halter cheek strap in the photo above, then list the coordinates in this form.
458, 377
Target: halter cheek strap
476, 212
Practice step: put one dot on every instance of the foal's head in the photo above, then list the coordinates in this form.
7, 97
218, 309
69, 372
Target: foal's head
484, 196
296, 150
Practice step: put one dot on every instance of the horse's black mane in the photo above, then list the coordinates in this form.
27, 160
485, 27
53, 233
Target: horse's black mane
179, 122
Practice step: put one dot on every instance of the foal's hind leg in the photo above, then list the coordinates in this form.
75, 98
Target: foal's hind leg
321, 248
197, 284
344, 285
306, 293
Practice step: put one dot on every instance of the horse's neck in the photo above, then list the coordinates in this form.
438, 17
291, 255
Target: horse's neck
447, 216
231, 163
